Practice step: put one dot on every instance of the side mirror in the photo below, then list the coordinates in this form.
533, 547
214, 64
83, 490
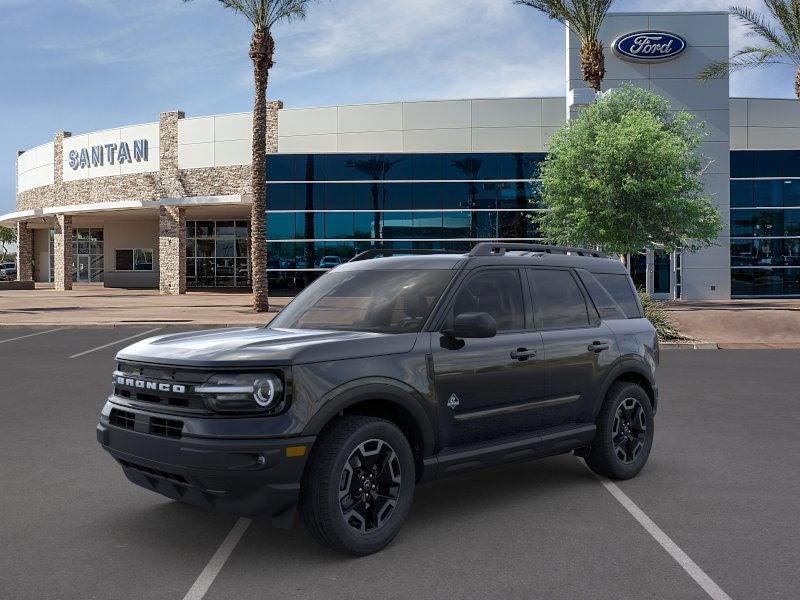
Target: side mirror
472, 325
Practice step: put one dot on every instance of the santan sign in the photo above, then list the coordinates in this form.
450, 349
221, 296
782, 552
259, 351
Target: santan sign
649, 46
97, 156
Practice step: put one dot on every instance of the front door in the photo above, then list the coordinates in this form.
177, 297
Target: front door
488, 388
579, 348
83, 268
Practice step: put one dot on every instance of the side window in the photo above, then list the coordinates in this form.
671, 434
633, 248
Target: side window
559, 299
606, 305
497, 292
618, 285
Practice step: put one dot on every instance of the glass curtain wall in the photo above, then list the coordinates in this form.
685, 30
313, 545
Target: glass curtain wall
323, 209
765, 223
217, 254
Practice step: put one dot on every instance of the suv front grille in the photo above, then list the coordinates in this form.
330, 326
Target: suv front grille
170, 428
163, 388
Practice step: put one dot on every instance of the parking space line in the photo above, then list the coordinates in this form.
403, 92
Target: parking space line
22, 337
687, 564
214, 566
114, 343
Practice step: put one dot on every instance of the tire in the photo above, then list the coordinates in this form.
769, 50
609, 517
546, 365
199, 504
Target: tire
352, 521
625, 429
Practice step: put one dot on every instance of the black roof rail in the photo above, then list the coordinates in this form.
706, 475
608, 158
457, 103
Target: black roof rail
500, 248
383, 252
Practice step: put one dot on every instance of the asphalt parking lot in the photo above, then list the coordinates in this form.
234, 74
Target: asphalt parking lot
722, 483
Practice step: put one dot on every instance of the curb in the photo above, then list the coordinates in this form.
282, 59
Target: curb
690, 345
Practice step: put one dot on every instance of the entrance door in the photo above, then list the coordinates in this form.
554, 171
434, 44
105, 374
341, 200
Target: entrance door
83, 268
662, 270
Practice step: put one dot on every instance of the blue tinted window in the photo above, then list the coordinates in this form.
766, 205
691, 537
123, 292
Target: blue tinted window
765, 282
427, 195
339, 225
427, 224
309, 225
367, 226
742, 164
282, 196
396, 196
742, 222
280, 226
281, 167
339, 196
791, 192
741, 194
768, 193
768, 163
367, 196
426, 166
465, 166
398, 225
455, 195
456, 224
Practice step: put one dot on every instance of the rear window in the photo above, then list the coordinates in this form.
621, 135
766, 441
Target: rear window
619, 287
560, 301
608, 308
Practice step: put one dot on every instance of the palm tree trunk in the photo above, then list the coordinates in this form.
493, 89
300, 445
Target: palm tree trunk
593, 64
261, 51
797, 84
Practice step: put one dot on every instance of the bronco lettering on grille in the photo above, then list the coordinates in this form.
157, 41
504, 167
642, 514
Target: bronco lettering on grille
155, 386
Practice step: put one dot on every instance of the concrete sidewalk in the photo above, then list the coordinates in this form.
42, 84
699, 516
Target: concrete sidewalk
93, 305
740, 323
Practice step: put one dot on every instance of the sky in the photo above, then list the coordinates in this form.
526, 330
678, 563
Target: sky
86, 65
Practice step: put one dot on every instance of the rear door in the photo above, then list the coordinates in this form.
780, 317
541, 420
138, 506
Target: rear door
579, 348
487, 388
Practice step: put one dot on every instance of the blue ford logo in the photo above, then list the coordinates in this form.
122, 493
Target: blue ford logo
649, 46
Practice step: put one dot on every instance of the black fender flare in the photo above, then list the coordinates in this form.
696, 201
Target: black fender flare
624, 366
375, 388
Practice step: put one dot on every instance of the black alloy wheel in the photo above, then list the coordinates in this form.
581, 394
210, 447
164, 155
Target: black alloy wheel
358, 484
624, 436
370, 485
629, 432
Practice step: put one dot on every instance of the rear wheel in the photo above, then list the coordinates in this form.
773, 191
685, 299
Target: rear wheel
358, 486
624, 435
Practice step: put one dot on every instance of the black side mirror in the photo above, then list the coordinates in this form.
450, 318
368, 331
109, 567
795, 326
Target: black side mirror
472, 325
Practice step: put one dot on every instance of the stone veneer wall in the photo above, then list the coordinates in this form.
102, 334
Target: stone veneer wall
171, 250
24, 252
62, 250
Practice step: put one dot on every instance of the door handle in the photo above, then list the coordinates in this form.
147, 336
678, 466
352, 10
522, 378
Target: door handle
522, 354
598, 346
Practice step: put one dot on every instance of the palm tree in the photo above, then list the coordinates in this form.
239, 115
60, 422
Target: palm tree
262, 15
780, 41
584, 19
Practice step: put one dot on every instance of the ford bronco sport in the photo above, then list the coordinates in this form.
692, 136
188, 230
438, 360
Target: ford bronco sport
385, 372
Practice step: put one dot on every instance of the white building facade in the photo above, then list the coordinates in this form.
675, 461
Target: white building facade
167, 204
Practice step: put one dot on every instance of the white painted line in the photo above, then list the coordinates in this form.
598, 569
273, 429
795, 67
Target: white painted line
114, 343
214, 566
22, 337
687, 564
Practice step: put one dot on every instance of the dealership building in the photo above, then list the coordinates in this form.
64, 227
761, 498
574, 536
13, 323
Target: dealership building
167, 204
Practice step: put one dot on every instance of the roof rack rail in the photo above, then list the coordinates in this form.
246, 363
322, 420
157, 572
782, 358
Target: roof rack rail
500, 248
383, 252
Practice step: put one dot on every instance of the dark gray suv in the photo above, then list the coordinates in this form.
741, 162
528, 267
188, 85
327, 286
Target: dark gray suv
385, 372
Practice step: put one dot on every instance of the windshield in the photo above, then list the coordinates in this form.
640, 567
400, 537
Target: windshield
390, 301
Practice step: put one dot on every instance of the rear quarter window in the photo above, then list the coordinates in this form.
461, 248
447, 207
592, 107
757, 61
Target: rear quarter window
620, 288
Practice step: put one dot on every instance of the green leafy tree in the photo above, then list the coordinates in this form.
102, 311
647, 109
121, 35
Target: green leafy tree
8, 236
626, 175
584, 19
263, 15
778, 40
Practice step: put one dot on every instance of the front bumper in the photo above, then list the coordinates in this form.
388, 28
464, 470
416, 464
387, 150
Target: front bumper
256, 478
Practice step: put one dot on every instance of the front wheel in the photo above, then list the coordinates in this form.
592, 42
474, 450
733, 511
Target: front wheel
624, 435
359, 484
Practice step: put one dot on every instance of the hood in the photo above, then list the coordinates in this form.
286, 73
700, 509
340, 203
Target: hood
260, 346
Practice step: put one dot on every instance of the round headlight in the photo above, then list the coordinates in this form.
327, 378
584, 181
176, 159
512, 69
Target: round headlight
265, 391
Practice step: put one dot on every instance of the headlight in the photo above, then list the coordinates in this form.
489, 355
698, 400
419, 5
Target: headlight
238, 393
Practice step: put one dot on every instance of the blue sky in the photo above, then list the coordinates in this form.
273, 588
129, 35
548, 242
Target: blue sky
84, 65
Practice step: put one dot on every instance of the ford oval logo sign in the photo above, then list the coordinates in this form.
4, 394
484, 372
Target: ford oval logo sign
649, 46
